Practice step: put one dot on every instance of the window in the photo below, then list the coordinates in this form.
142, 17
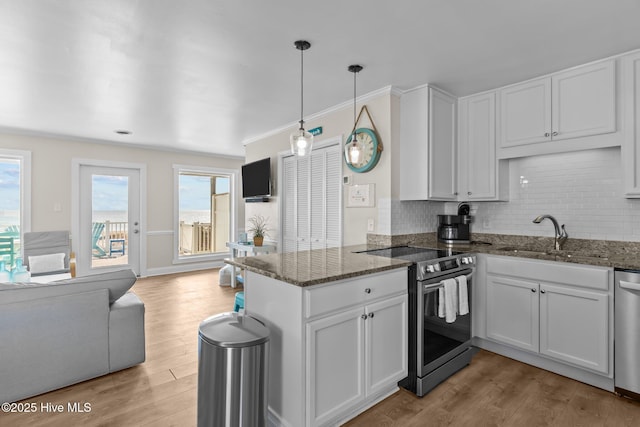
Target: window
15, 197
204, 211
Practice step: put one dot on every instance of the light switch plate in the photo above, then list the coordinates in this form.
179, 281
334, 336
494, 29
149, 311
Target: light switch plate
370, 224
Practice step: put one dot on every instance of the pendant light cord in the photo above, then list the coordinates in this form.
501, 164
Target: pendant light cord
301, 88
354, 105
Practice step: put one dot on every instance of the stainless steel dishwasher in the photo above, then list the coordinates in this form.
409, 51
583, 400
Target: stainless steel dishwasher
627, 333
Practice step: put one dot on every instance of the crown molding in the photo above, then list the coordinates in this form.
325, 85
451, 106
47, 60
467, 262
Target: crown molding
387, 90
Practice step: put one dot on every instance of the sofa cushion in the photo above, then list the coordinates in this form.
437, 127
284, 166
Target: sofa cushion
117, 282
40, 264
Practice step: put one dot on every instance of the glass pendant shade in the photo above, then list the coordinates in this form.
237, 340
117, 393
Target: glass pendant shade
352, 151
301, 142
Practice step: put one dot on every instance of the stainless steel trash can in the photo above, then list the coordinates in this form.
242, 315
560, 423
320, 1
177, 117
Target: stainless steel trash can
232, 371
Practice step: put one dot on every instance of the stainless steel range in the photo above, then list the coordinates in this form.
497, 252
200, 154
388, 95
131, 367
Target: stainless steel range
439, 341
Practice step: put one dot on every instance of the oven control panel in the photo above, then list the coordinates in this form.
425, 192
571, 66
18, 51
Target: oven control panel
437, 267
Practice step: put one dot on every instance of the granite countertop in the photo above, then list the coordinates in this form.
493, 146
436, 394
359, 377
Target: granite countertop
307, 268
603, 253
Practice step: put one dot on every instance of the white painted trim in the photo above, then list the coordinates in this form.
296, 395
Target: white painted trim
186, 268
346, 104
24, 157
233, 175
76, 163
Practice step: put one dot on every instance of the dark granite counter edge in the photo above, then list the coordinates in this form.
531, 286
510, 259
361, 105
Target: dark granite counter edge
322, 280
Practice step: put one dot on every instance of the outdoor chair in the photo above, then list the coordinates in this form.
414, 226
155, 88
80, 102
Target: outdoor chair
98, 228
7, 251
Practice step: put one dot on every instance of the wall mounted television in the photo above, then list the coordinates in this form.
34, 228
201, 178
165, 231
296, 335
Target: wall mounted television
256, 181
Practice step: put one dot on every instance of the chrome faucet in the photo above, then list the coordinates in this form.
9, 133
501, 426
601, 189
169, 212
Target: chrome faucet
561, 234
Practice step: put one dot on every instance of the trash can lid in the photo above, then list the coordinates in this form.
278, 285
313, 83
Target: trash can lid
233, 330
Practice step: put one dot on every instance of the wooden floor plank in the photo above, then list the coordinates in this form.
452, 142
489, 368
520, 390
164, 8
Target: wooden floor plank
492, 391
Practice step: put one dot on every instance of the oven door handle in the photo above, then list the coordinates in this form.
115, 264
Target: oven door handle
441, 284
433, 286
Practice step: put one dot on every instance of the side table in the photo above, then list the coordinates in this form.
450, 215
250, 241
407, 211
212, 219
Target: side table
248, 249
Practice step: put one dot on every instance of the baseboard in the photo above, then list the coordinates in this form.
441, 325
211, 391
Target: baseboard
578, 374
184, 268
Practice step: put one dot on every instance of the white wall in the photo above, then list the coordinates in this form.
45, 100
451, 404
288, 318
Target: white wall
337, 122
51, 185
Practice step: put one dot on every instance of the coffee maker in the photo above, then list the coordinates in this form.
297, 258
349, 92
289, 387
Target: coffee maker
455, 228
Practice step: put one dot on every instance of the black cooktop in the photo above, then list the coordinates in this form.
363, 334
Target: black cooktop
413, 254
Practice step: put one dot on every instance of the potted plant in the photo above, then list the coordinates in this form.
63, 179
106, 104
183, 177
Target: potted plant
258, 227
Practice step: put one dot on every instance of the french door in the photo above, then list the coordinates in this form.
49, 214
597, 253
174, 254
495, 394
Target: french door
109, 218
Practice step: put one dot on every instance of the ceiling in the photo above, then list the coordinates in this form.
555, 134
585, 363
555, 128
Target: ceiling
208, 75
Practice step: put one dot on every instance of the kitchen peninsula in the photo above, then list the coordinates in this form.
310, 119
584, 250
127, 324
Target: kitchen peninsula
338, 322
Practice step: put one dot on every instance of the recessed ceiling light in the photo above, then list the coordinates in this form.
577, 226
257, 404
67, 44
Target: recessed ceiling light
123, 132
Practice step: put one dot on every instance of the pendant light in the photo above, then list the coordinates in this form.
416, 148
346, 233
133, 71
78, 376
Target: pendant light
301, 140
353, 150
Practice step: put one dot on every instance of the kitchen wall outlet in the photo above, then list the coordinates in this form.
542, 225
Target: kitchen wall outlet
370, 224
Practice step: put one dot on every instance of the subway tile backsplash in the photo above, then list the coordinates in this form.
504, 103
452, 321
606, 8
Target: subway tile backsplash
582, 190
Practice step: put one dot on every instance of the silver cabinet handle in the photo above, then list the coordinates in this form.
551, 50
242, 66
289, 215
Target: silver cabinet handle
468, 193
455, 194
370, 314
542, 291
555, 134
546, 134
363, 317
533, 290
367, 291
135, 231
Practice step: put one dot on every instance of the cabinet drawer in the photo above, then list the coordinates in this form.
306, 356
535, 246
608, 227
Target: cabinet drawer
585, 276
335, 296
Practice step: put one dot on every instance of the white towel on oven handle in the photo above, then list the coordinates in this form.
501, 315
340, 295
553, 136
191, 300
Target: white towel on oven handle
448, 300
463, 298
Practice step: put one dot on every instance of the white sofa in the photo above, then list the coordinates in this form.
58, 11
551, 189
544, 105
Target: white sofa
57, 334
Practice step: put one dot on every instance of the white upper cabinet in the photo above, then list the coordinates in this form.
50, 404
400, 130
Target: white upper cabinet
631, 144
481, 176
526, 113
428, 145
571, 104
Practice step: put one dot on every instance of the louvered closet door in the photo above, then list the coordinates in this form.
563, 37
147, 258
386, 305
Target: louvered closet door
318, 176
289, 234
333, 196
303, 204
312, 200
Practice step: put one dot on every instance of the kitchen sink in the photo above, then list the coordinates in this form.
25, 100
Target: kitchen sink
558, 254
524, 250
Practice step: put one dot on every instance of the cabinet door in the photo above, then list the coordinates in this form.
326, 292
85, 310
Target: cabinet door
386, 343
512, 312
414, 125
335, 365
631, 145
574, 326
480, 148
525, 113
442, 146
584, 101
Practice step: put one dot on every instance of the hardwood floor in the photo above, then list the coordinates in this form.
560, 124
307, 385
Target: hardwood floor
492, 391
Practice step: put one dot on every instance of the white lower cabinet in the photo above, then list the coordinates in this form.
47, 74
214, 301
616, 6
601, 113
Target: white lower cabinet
569, 319
353, 355
512, 312
574, 326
